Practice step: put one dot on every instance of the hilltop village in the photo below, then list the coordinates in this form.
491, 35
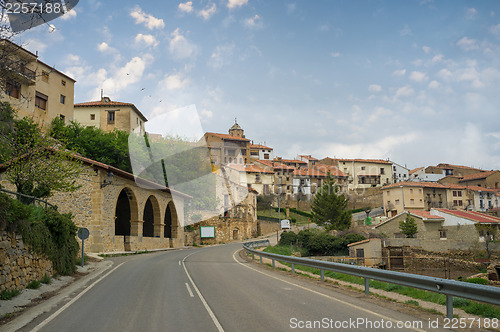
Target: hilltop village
455, 207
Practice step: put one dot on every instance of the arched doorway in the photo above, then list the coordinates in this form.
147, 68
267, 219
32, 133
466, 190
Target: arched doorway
150, 217
125, 211
171, 224
235, 233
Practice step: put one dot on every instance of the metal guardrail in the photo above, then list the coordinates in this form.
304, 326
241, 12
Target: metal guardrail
450, 288
257, 244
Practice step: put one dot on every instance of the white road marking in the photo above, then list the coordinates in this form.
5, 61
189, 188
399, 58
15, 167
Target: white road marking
207, 307
55, 314
189, 290
318, 293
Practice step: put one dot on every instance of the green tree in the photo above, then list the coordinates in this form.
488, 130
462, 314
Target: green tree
33, 161
408, 227
329, 208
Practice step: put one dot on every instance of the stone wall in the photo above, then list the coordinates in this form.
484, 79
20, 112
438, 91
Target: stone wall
20, 266
226, 230
267, 227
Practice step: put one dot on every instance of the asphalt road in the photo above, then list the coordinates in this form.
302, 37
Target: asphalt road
213, 289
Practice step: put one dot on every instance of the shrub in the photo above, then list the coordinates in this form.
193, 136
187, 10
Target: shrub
353, 237
35, 284
480, 281
9, 294
46, 279
287, 238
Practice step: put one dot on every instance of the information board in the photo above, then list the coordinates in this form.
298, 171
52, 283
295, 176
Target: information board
207, 232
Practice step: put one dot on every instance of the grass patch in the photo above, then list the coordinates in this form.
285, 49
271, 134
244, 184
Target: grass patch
9, 294
412, 302
46, 279
35, 284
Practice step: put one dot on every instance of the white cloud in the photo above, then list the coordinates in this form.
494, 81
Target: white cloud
148, 20
253, 22
495, 30
206, 114
418, 76
470, 13
186, 7
105, 48
404, 91
467, 44
125, 76
335, 54
174, 82
400, 72
426, 49
208, 12
379, 112
470, 74
374, 88
69, 15
434, 85
438, 58
445, 74
221, 56
35, 45
180, 47
236, 3
147, 40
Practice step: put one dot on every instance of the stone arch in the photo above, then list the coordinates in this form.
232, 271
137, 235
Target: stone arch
171, 221
125, 211
236, 232
150, 216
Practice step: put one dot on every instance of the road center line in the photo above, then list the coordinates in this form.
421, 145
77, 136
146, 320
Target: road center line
189, 290
207, 307
318, 293
64, 307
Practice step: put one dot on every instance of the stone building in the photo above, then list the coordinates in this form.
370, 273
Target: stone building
109, 115
232, 148
122, 212
34, 88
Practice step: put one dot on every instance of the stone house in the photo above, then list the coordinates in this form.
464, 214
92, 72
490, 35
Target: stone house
489, 179
283, 180
258, 178
109, 115
122, 212
261, 152
34, 88
232, 148
311, 161
441, 230
367, 252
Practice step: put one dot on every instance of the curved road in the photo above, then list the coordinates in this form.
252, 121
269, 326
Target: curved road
212, 289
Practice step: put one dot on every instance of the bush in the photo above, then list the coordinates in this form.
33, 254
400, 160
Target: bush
353, 237
480, 281
288, 238
46, 279
9, 294
35, 284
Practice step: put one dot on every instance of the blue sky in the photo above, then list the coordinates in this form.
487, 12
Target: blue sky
413, 81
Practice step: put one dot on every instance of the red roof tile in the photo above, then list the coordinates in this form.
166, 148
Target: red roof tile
424, 214
111, 103
228, 137
250, 169
477, 176
259, 146
474, 216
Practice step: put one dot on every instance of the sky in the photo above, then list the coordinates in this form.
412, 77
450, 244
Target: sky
417, 82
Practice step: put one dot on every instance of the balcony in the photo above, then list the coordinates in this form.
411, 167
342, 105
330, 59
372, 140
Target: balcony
18, 72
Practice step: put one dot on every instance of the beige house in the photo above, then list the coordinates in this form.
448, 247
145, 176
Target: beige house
232, 148
109, 115
261, 152
283, 179
367, 252
34, 88
442, 230
363, 173
259, 179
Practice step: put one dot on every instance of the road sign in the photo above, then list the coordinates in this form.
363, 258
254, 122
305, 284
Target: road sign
83, 233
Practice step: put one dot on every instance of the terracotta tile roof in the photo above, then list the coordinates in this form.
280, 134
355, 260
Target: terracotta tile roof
308, 157
259, 146
289, 161
415, 170
360, 242
448, 166
110, 103
425, 214
477, 176
474, 216
227, 137
275, 165
373, 161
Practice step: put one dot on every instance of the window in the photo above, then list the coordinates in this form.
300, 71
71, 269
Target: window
459, 194
62, 99
12, 89
412, 201
397, 202
62, 117
442, 234
363, 168
388, 192
382, 171
411, 191
63, 82
266, 155
92, 116
41, 100
257, 178
111, 117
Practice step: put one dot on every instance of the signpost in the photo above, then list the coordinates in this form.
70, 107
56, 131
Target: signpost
83, 234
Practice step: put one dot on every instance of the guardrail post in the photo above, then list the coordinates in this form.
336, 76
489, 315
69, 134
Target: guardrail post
322, 275
293, 268
449, 306
367, 286
260, 259
273, 263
